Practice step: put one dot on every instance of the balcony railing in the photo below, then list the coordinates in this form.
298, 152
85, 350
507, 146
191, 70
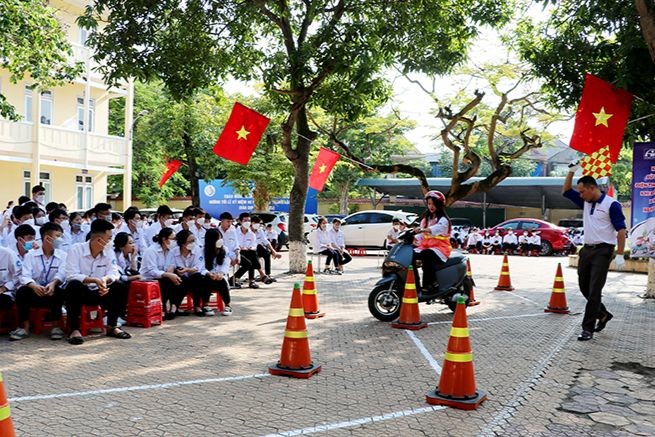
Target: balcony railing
63, 145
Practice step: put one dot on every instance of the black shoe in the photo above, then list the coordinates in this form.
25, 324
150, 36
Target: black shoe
602, 322
169, 316
253, 284
585, 335
182, 313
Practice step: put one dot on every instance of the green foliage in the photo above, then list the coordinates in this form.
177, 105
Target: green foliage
32, 42
601, 37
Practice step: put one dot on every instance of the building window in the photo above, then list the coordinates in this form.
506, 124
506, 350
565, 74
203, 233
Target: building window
80, 114
84, 34
27, 184
28, 104
46, 107
83, 191
44, 181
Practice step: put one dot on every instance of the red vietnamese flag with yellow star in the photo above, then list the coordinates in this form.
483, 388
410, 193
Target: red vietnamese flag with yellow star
325, 161
601, 118
241, 134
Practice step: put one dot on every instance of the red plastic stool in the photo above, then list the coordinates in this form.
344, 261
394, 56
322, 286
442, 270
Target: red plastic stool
90, 318
8, 320
38, 322
217, 304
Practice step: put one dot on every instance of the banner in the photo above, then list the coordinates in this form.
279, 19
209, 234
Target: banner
642, 232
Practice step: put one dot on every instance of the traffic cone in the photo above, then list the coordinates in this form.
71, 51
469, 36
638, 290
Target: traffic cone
457, 382
6, 426
409, 314
557, 302
504, 282
472, 301
309, 295
296, 359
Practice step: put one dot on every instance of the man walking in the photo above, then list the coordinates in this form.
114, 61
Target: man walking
604, 226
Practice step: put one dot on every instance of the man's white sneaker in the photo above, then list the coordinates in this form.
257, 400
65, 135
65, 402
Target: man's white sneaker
227, 311
18, 334
208, 311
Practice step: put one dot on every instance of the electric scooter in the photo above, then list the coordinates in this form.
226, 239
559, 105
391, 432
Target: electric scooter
452, 281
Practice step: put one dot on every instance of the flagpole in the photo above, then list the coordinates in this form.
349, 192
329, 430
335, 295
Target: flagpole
344, 157
641, 118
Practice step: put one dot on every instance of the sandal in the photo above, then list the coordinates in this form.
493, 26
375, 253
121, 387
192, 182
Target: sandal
120, 334
253, 284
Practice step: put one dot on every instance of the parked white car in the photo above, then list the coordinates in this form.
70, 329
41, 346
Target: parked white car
370, 228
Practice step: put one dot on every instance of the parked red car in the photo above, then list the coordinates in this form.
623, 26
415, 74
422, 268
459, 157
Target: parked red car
553, 237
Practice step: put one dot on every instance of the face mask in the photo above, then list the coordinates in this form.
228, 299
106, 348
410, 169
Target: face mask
64, 224
200, 221
396, 227
256, 226
28, 245
207, 225
40, 221
139, 224
336, 228
76, 226
219, 243
191, 246
29, 222
40, 198
168, 223
245, 224
57, 243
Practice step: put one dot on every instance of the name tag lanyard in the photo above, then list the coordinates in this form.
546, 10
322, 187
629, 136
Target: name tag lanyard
47, 272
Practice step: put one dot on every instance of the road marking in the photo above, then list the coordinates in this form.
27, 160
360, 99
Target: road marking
537, 373
135, 388
428, 356
356, 422
493, 318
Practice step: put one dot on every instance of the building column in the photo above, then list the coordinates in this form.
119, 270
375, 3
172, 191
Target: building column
35, 171
129, 134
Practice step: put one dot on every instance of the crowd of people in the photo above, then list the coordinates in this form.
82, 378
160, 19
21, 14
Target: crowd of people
59, 260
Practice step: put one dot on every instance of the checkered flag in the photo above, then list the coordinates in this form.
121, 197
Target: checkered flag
598, 164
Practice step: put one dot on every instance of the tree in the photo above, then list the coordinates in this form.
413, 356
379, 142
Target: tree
32, 42
489, 140
602, 37
325, 53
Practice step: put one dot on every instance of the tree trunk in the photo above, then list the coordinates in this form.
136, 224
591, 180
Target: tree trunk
647, 24
650, 286
193, 169
261, 197
343, 200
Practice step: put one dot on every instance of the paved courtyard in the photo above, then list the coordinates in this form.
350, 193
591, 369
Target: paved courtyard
208, 376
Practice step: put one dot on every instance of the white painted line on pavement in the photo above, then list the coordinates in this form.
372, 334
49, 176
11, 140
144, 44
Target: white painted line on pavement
356, 422
492, 318
135, 388
525, 298
537, 373
421, 347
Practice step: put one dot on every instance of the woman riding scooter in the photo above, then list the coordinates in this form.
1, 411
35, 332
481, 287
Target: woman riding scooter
433, 242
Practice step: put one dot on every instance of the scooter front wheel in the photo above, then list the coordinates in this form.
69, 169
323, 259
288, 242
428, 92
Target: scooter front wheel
384, 303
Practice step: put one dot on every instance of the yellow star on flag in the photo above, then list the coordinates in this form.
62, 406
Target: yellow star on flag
242, 134
321, 168
602, 117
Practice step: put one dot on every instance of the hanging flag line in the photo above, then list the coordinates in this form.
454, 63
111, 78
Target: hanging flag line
342, 157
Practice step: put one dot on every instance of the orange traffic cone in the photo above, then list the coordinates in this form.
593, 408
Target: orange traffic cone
472, 301
409, 314
6, 426
309, 294
504, 282
296, 359
557, 302
457, 383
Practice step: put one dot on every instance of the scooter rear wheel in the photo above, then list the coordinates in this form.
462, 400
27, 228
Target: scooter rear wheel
384, 303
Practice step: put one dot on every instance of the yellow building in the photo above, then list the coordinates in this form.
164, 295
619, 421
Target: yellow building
54, 144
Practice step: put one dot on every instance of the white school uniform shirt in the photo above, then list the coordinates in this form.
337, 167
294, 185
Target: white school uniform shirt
41, 269
523, 239
496, 240
271, 235
392, 235
9, 270
199, 234
230, 241
195, 259
75, 238
323, 239
155, 262
337, 238
247, 240
510, 239
223, 268
473, 239
260, 236
80, 264
149, 233
534, 239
